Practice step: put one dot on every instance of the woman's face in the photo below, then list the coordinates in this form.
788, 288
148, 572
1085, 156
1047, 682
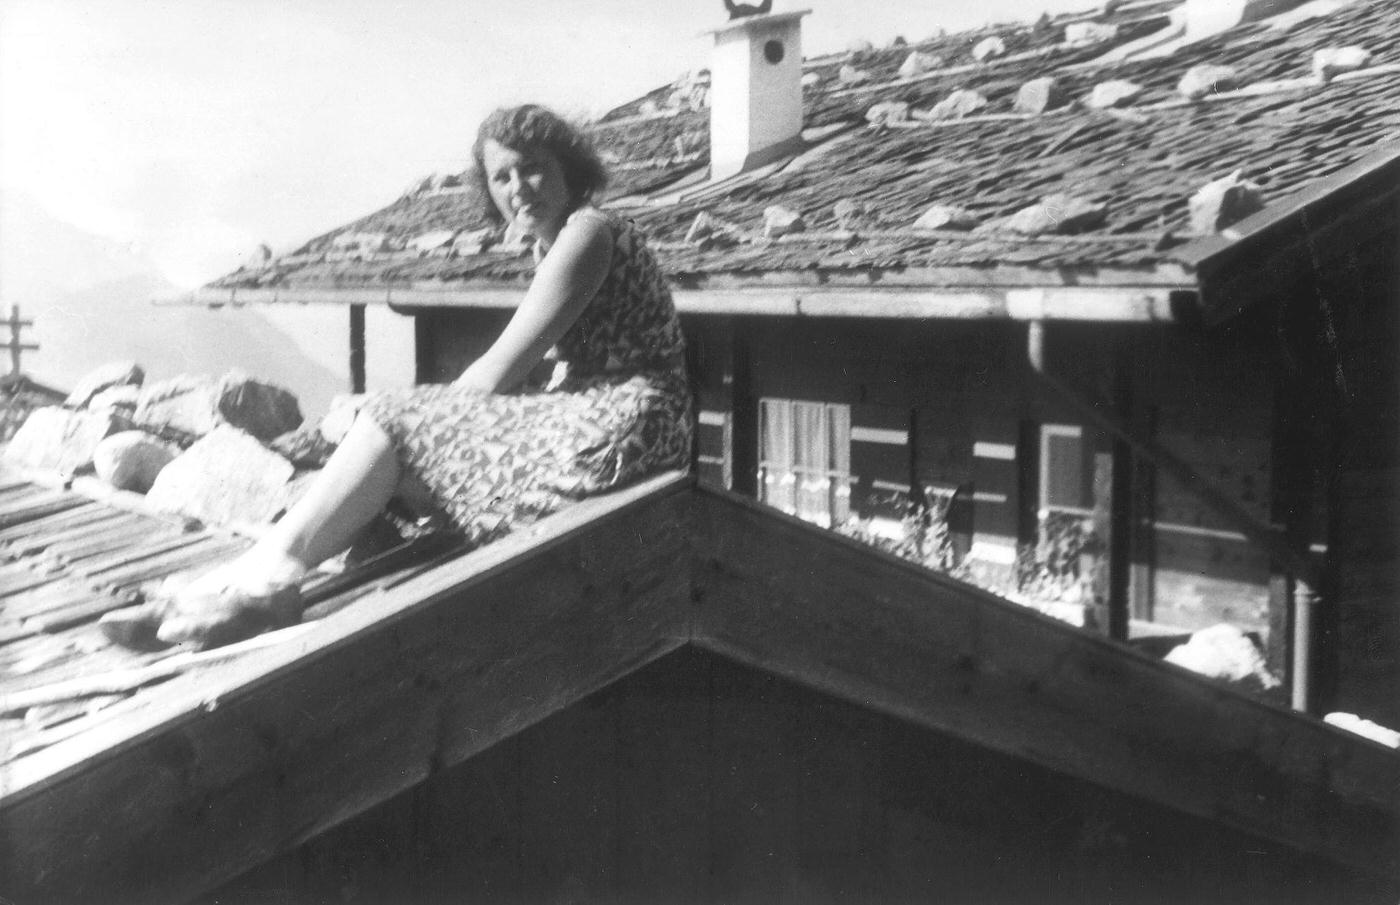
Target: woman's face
527, 187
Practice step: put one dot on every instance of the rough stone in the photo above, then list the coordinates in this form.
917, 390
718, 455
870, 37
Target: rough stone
1206, 78
779, 221
1332, 61
887, 112
1224, 202
1113, 93
850, 75
963, 102
1059, 213
1081, 33
59, 439
946, 216
431, 241
130, 460
988, 48
472, 241
918, 63
360, 242
1040, 95
1223, 652
226, 478
708, 228
120, 399
859, 47
192, 406
112, 374
811, 79
849, 213
259, 258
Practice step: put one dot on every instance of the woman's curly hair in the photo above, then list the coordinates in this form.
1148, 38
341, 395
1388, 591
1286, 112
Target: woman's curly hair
531, 126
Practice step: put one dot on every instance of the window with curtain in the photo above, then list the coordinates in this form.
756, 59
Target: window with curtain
805, 459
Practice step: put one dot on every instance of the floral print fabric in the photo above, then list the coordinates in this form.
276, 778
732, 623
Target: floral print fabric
619, 408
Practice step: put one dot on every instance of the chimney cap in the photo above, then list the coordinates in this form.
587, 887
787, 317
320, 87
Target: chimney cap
751, 21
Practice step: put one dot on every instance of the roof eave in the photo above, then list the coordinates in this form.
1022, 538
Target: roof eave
1129, 295
1268, 252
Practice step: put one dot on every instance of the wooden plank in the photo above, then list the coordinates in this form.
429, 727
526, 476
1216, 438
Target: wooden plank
968, 294
370, 701
852, 622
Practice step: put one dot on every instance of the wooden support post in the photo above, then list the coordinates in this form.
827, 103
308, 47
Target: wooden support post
744, 408
357, 348
1121, 514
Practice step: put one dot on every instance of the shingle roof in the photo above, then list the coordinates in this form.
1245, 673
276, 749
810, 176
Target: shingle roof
69, 556
1282, 129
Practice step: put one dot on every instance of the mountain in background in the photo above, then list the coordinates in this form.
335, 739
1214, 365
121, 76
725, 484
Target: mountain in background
91, 302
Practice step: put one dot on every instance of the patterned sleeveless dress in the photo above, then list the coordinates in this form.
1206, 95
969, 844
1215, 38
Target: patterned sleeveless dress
617, 409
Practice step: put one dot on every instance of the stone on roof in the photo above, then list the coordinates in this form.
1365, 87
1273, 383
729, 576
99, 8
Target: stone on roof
960, 103
947, 216
918, 63
104, 377
1208, 78
1081, 33
1113, 93
131, 460
1332, 61
1058, 213
850, 75
226, 478
988, 48
779, 221
192, 406
1042, 94
1224, 202
887, 112
61, 440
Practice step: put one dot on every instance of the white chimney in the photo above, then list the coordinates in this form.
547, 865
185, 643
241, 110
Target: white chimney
1204, 18
755, 92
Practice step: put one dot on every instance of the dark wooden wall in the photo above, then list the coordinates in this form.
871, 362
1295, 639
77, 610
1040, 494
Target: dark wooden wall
697, 780
1359, 297
1257, 407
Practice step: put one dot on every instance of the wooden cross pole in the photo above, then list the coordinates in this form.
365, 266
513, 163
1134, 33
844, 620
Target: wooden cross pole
15, 345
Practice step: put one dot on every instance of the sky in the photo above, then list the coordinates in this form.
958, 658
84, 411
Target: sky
193, 130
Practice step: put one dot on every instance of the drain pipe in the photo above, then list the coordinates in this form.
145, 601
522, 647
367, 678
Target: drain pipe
1274, 542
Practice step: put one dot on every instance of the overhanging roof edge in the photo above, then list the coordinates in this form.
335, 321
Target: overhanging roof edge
1128, 303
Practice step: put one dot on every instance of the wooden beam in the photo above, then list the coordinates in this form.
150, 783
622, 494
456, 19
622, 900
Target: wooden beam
230, 765
834, 615
794, 295
357, 348
743, 411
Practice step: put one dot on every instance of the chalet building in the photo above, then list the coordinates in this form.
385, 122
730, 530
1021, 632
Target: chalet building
919, 296
968, 275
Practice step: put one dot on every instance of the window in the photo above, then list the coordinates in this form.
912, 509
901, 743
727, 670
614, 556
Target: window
1065, 478
804, 465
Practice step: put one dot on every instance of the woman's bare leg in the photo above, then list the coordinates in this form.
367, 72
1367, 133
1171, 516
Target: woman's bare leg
355, 485
352, 489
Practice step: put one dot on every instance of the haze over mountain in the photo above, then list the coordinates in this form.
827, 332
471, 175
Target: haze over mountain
91, 302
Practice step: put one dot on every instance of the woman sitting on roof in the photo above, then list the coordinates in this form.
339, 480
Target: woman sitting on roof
491, 453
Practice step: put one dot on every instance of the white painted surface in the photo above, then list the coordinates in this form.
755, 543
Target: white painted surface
880, 435
1006, 452
755, 104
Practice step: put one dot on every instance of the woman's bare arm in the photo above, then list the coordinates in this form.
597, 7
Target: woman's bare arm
566, 281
